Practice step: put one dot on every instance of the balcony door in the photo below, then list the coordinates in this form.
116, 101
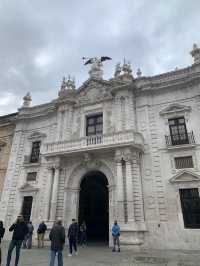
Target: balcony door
178, 131
27, 207
94, 125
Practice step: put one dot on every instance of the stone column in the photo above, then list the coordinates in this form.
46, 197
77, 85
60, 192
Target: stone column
74, 202
129, 187
119, 187
48, 191
54, 194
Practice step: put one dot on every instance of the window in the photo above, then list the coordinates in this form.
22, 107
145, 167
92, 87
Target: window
190, 204
184, 162
35, 153
31, 176
94, 125
178, 131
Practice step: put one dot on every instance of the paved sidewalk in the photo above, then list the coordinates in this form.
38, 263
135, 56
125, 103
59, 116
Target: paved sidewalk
103, 256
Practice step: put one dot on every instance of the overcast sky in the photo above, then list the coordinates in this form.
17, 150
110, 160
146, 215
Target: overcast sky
41, 41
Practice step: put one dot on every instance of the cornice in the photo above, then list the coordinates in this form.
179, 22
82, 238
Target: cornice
174, 79
36, 111
7, 120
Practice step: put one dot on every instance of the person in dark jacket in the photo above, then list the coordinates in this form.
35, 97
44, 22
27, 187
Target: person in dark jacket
83, 235
41, 232
73, 236
20, 230
27, 243
57, 237
2, 231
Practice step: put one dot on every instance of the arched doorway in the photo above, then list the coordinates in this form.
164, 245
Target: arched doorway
94, 205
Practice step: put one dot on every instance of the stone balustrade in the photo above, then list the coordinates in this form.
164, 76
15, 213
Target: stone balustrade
124, 138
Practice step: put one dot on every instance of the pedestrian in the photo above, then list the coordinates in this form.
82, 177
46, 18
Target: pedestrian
83, 235
73, 236
25, 240
116, 235
2, 231
20, 230
57, 238
40, 233
30, 235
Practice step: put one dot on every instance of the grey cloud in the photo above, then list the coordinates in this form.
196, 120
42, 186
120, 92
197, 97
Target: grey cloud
41, 41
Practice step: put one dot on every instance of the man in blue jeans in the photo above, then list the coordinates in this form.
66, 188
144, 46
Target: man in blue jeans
20, 230
57, 237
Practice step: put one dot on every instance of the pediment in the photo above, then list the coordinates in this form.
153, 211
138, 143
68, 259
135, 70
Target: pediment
175, 108
37, 135
94, 90
27, 188
185, 176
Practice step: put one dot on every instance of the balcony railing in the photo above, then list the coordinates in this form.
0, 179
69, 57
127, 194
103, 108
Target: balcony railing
94, 142
180, 139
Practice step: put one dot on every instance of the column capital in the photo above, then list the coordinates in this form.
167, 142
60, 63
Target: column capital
128, 156
118, 156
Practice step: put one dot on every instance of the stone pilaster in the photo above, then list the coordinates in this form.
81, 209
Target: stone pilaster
129, 186
137, 187
48, 195
54, 193
119, 188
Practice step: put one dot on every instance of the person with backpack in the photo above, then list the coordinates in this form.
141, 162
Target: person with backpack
57, 238
116, 235
40, 233
2, 231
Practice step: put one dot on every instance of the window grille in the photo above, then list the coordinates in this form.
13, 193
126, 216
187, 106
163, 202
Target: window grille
190, 204
31, 176
94, 125
35, 153
183, 162
178, 131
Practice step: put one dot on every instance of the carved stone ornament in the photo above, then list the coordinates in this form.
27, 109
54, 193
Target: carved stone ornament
89, 162
185, 176
28, 188
37, 135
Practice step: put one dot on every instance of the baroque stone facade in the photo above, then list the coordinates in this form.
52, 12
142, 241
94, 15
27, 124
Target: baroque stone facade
7, 126
148, 150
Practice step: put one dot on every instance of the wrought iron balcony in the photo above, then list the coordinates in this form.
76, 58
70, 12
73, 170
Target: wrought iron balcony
94, 142
180, 139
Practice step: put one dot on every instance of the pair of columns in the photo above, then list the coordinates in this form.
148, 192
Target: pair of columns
52, 192
125, 199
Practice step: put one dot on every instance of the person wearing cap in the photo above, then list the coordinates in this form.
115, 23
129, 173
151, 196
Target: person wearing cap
73, 236
20, 230
57, 238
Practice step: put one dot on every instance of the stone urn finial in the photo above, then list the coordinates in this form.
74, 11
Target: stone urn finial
118, 70
195, 54
139, 73
27, 100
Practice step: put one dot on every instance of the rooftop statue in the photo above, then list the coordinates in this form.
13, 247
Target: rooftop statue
96, 68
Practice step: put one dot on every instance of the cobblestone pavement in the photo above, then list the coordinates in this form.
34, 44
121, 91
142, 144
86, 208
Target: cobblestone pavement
103, 256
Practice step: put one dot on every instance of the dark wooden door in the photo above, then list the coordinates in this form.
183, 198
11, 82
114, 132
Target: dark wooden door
27, 207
